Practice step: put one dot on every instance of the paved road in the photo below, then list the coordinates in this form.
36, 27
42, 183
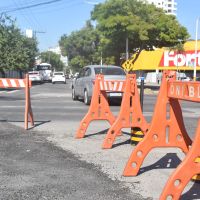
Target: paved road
53, 103
57, 118
32, 168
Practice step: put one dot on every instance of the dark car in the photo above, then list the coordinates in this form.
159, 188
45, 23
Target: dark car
82, 86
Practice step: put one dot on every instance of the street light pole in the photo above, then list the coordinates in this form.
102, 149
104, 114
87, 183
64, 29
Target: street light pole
127, 54
196, 40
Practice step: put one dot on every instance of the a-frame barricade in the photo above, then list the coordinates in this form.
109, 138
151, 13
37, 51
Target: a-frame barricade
99, 107
190, 166
184, 172
166, 130
130, 114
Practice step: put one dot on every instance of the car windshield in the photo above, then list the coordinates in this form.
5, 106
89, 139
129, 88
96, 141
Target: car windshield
109, 71
58, 73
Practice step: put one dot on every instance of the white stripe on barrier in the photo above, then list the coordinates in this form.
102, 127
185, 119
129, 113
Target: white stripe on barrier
105, 85
120, 86
13, 83
115, 86
21, 83
110, 85
5, 83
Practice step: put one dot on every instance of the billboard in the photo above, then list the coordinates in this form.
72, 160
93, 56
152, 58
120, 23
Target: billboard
163, 59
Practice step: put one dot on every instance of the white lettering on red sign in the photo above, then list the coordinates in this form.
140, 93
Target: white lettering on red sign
191, 91
171, 58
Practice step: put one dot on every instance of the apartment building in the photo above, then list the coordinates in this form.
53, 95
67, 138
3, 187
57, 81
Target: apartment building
169, 6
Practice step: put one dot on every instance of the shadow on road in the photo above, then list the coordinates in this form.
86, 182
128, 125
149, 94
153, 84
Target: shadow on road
193, 193
169, 161
37, 123
98, 133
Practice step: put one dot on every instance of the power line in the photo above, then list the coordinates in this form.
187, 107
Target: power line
31, 6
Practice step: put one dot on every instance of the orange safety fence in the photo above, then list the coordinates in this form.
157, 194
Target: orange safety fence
99, 107
166, 130
130, 114
21, 83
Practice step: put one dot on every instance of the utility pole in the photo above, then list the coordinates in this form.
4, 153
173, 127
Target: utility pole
101, 59
127, 56
196, 48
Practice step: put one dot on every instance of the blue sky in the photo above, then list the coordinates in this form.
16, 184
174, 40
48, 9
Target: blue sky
66, 16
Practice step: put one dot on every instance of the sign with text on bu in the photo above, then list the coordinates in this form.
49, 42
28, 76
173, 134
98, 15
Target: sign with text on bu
188, 91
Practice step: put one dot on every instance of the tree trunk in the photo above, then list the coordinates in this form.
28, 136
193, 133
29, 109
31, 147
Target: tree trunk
2, 73
21, 74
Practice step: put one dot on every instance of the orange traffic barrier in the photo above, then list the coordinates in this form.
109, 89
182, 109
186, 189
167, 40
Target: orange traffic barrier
130, 114
99, 107
166, 130
21, 83
190, 166
184, 172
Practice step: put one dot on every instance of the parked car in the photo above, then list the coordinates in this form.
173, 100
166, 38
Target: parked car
58, 77
82, 85
36, 76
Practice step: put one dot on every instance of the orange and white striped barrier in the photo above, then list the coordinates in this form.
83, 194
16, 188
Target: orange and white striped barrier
130, 114
99, 107
12, 83
21, 83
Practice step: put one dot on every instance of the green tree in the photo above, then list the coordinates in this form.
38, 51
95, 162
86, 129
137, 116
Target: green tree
82, 47
144, 25
53, 59
16, 51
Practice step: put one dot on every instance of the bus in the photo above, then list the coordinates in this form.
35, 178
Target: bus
46, 70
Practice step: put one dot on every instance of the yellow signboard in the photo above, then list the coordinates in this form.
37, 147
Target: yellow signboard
165, 59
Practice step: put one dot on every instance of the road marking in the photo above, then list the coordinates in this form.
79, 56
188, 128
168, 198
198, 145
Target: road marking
12, 106
13, 91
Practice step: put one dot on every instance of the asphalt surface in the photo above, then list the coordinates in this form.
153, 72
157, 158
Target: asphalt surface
32, 168
46, 162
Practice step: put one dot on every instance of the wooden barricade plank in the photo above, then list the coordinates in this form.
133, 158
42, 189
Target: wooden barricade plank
21, 83
99, 107
130, 114
13, 83
28, 115
166, 130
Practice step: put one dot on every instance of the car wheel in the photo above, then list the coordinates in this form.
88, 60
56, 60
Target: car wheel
74, 97
86, 98
53, 82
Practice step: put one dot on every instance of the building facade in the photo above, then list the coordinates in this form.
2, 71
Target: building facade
169, 6
57, 50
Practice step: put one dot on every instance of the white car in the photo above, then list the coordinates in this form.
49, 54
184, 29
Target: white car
35, 76
58, 77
